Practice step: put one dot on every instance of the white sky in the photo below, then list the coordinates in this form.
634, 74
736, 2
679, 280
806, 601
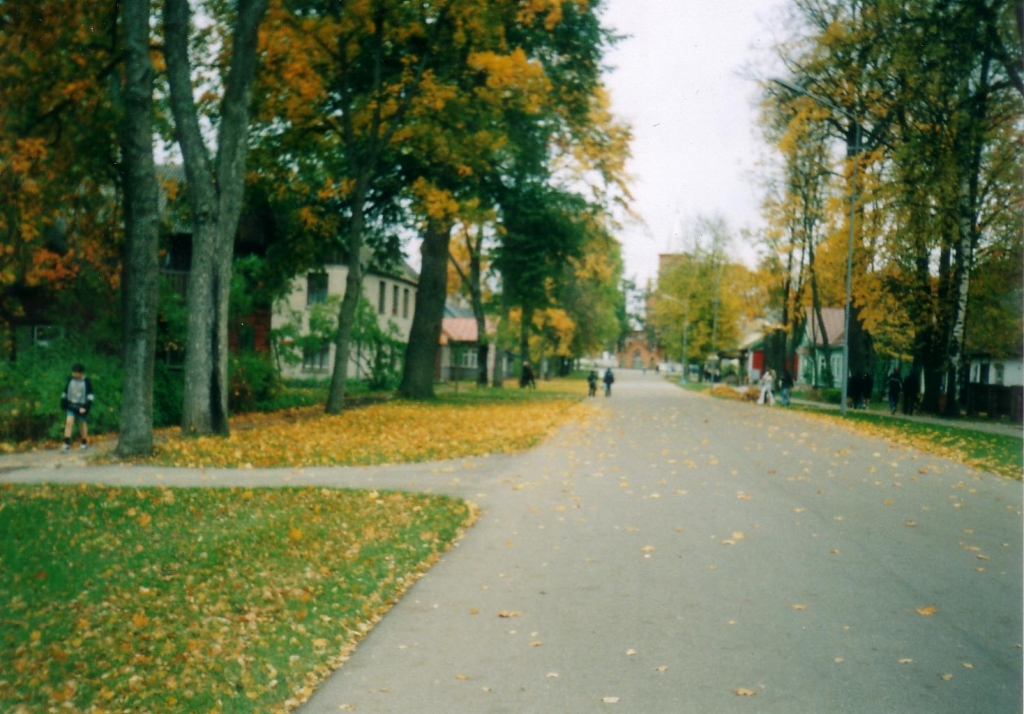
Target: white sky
679, 79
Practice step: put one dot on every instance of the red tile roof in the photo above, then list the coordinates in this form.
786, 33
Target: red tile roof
462, 329
834, 319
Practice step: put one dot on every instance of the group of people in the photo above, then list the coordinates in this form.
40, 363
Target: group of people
768, 388
608, 380
909, 389
859, 387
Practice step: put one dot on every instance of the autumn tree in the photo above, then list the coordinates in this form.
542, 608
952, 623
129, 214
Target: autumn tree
698, 305
798, 214
59, 215
340, 84
934, 86
215, 190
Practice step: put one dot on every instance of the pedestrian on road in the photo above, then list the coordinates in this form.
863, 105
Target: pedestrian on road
592, 383
609, 378
767, 381
786, 383
895, 387
526, 379
75, 401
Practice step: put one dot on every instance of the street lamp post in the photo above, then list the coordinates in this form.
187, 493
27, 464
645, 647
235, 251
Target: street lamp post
849, 248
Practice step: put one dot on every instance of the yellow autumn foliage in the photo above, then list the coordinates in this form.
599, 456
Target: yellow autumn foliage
393, 432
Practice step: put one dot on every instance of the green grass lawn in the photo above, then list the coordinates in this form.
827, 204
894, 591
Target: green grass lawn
198, 600
997, 453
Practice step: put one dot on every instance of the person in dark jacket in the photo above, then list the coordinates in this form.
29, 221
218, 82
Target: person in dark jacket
894, 385
609, 379
786, 383
76, 401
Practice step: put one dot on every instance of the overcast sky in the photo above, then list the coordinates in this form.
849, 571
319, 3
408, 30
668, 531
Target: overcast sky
679, 79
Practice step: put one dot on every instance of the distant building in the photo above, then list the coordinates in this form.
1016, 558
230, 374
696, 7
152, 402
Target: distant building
392, 293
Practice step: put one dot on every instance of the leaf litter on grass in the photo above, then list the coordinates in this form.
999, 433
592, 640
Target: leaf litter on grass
226, 600
392, 432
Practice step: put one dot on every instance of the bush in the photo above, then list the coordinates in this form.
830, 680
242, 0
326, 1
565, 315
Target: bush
254, 382
168, 393
830, 396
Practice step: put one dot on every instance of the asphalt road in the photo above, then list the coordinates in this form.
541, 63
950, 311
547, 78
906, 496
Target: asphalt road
679, 554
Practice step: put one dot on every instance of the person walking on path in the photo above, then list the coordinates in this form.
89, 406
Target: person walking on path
527, 379
895, 386
609, 379
786, 383
592, 383
75, 401
767, 381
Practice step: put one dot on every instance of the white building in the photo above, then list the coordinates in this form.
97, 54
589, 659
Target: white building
392, 294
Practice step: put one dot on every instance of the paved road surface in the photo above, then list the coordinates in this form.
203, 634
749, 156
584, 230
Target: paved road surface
684, 554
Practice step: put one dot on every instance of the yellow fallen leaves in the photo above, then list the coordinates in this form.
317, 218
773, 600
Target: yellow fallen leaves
393, 432
926, 611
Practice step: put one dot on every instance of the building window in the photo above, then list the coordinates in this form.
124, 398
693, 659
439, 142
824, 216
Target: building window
316, 288
314, 360
394, 300
405, 303
998, 368
466, 358
382, 296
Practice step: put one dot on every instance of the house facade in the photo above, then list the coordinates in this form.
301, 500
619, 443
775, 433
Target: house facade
391, 294
458, 354
815, 366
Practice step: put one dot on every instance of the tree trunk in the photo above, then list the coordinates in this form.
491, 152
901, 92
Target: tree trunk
140, 271
524, 337
350, 302
425, 334
498, 378
215, 195
476, 296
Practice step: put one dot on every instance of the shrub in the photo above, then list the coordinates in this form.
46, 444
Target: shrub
254, 382
168, 393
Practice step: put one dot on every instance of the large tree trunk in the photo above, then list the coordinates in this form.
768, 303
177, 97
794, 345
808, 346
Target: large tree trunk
425, 334
140, 271
215, 195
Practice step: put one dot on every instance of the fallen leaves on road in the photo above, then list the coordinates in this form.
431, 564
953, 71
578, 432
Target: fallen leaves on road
926, 611
744, 692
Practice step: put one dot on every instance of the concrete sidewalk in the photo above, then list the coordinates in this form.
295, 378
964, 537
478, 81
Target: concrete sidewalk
680, 554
